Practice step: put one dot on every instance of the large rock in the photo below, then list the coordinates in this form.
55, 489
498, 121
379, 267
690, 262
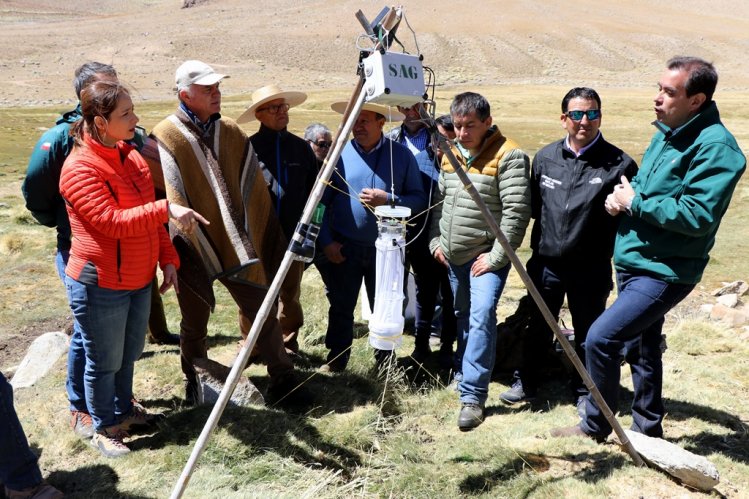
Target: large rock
733, 317
690, 469
738, 287
212, 377
41, 356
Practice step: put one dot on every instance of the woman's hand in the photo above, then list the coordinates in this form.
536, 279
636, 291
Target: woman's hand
170, 279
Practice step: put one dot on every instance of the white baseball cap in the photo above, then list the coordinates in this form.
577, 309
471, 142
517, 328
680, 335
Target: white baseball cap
196, 72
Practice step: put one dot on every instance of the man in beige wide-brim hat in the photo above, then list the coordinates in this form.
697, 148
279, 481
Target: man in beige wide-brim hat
289, 167
371, 171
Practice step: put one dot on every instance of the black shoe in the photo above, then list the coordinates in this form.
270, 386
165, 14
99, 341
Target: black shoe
289, 393
517, 394
164, 339
471, 416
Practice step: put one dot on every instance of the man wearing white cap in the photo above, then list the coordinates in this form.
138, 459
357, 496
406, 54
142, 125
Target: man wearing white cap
371, 171
289, 167
209, 164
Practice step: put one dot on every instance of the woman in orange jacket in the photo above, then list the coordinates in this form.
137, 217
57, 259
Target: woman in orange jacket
118, 239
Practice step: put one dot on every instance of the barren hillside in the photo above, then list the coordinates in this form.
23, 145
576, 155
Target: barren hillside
312, 44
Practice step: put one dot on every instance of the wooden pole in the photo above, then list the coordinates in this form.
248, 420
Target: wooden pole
548, 316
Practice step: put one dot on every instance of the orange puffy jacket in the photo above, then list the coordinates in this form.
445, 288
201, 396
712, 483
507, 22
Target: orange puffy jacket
117, 225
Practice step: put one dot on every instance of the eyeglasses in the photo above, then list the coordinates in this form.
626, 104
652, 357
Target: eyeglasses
592, 114
275, 108
322, 144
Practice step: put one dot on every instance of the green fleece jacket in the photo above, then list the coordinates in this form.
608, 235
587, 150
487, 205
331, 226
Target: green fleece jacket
500, 173
682, 191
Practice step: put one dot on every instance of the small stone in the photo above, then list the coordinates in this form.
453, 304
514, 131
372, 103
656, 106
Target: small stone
690, 469
730, 300
41, 356
743, 289
212, 378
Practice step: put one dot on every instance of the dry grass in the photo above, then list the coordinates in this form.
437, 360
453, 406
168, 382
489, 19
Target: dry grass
365, 438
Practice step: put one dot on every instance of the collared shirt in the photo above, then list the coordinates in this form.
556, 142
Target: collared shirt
416, 142
194, 118
360, 150
582, 150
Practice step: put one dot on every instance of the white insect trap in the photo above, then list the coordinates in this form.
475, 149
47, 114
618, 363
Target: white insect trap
386, 322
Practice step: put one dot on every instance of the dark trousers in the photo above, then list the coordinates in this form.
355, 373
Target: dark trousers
633, 322
342, 283
194, 327
587, 284
431, 278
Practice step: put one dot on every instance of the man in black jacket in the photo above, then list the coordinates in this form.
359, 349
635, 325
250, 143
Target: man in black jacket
573, 237
290, 169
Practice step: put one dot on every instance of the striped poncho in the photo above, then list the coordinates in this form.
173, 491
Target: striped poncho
217, 175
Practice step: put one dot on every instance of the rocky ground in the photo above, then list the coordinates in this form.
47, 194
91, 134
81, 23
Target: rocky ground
313, 44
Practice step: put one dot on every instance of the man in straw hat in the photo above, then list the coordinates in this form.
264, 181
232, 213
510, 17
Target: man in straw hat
371, 171
289, 167
210, 165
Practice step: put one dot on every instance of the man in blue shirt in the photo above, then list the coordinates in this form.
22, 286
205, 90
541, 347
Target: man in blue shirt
371, 172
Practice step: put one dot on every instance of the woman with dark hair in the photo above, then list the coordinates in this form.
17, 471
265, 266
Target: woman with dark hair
118, 239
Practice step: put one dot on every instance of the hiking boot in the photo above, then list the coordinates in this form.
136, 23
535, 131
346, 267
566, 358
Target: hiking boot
109, 441
517, 393
471, 415
138, 419
574, 431
82, 425
288, 393
41, 491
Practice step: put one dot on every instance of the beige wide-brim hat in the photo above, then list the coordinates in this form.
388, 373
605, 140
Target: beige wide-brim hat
390, 113
267, 94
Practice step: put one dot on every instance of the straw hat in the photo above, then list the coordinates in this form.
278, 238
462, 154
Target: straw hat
267, 94
390, 113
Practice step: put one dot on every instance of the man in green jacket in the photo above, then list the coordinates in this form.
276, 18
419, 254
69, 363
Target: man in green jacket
461, 240
671, 212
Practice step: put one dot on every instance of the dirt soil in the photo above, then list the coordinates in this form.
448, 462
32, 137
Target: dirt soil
312, 45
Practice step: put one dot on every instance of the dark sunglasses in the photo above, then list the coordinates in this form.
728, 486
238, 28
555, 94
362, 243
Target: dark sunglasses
322, 144
592, 114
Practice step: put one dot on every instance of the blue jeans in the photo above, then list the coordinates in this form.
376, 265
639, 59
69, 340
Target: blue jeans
113, 331
633, 323
342, 283
476, 314
18, 465
76, 355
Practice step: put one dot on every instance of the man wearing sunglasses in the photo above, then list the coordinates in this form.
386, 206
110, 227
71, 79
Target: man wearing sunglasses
573, 237
670, 214
320, 139
289, 168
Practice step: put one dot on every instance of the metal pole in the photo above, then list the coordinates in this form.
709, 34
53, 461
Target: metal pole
244, 354
551, 321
